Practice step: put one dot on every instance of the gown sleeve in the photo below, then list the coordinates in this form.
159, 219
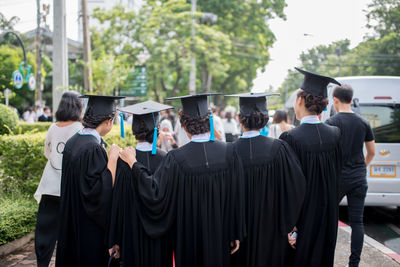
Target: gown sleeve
120, 200
291, 185
157, 195
96, 185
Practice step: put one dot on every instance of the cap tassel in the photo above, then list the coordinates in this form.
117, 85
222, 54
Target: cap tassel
122, 125
212, 135
154, 147
264, 131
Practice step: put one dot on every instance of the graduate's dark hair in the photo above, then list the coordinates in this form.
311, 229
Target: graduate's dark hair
195, 125
90, 120
70, 107
279, 116
314, 104
142, 132
344, 93
255, 121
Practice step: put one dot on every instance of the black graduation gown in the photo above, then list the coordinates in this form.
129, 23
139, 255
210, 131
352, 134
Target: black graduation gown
198, 187
86, 190
126, 230
318, 149
275, 188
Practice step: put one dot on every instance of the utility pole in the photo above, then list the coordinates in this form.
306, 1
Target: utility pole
192, 77
38, 55
87, 77
60, 52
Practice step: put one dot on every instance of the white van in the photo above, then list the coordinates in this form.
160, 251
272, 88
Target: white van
378, 100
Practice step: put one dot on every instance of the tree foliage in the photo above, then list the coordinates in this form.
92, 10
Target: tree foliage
10, 59
228, 53
377, 55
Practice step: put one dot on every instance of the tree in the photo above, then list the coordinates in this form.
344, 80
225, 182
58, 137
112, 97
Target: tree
8, 24
384, 17
108, 73
228, 53
10, 59
245, 22
322, 59
377, 55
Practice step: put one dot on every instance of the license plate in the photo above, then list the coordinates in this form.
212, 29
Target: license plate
383, 171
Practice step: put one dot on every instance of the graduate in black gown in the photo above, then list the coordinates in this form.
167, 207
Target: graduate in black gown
274, 185
317, 146
87, 179
127, 235
198, 187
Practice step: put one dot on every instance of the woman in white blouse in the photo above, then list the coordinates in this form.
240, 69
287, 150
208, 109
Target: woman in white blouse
279, 124
67, 124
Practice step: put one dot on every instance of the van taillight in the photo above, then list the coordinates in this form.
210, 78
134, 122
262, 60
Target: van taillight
383, 97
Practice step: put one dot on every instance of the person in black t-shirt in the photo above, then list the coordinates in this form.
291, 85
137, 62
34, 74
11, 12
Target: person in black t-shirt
355, 132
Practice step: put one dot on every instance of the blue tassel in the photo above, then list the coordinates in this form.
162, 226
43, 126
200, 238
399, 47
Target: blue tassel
326, 108
264, 131
122, 125
212, 135
154, 147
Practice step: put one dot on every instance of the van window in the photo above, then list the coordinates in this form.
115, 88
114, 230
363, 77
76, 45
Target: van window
384, 120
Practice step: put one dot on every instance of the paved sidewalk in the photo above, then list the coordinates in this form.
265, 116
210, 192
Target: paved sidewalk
371, 255
25, 257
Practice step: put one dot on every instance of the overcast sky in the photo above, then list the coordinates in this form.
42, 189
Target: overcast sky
325, 21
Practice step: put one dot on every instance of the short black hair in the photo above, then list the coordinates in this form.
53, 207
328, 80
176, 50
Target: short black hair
344, 93
255, 121
70, 107
314, 104
46, 108
141, 131
90, 120
279, 116
195, 126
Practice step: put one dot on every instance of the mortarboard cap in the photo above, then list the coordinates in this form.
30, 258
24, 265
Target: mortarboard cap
194, 106
252, 101
146, 111
101, 105
316, 84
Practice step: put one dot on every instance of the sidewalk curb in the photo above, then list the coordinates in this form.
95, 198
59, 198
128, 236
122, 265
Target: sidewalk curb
16, 244
373, 243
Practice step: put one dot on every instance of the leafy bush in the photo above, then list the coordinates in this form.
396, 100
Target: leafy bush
114, 137
8, 120
17, 217
22, 161
25, 127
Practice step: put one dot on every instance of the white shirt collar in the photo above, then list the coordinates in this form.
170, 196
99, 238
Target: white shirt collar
144, 146
250, 134
201, 138
89, 131
311, 119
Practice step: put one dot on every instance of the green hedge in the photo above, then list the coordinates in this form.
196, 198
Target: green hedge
25, 127
22, 162
22, 159
8, 120
17, 217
